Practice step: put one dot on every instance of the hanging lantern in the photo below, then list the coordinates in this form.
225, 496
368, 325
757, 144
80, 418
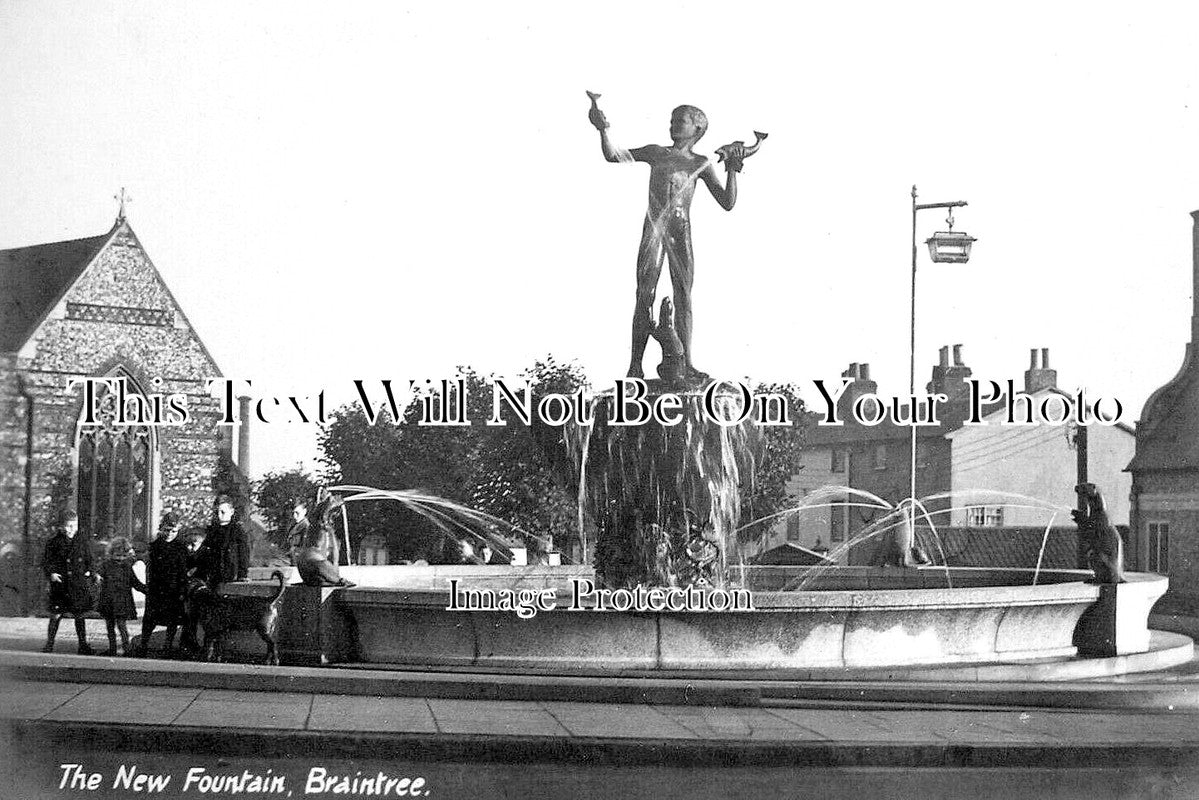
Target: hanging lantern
950, 247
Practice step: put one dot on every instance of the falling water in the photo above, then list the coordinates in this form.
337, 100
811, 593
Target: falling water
898, 516
453, 519
1041, 554
665, 500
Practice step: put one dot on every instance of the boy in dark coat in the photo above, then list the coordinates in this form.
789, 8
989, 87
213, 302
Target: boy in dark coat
225, 554
297, 534
166, 580
67, 564
116, 593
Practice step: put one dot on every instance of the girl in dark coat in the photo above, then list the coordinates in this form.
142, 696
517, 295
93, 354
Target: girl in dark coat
67, 564
116, 593
166, 581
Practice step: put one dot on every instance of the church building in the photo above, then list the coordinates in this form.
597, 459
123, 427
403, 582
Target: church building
98, 308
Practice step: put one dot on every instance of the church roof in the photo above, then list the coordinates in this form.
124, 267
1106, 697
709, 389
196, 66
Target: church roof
33, 280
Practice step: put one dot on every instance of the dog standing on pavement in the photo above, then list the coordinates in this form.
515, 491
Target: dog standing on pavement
220, 616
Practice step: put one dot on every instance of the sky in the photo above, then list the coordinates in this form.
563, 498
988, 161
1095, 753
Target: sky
389, 190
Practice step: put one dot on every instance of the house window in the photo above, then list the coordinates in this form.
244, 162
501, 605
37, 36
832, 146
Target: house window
880, 456
1159, 547
838, 460
984, 516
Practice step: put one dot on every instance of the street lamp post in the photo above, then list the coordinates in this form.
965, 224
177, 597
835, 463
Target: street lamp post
943, 247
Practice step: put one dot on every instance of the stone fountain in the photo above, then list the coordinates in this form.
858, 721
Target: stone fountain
663, 497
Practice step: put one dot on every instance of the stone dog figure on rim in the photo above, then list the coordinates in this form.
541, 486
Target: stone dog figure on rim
1101, 541
317, 558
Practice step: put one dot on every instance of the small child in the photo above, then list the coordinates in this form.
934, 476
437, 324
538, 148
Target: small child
116, 593
166, 577
189, 644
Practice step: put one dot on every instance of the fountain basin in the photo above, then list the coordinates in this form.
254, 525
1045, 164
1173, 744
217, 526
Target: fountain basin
828, 629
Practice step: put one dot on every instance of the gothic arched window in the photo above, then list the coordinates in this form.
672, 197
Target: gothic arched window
114, 479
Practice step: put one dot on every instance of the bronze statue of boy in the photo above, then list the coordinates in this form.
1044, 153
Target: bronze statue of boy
674, 170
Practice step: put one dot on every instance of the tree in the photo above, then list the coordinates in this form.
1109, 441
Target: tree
276, 495
523, 474
765, 493
510, 472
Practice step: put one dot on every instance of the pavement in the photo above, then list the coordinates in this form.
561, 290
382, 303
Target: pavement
65, 699
474, 734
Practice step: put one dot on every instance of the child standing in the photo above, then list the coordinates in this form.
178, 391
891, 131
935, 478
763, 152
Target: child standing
68, 567
116, 593
166, 577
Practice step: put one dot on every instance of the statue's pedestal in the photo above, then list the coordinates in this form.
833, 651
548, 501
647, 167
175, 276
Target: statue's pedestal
1115, 624
313, 631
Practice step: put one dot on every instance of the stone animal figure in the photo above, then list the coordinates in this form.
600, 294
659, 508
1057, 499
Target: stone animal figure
899, 548
318, 556
1101, 541
703, 552
674, 363
219, 616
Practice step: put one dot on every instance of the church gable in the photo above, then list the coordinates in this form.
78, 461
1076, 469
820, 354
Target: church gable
119, 307
122, 277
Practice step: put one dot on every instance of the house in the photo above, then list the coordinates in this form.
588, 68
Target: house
1024, 468
873, 464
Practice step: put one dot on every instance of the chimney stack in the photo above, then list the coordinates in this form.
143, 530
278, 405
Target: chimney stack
861, 385
950, 379
1037, 378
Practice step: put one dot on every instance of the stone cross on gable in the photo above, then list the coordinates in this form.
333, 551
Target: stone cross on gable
122, 198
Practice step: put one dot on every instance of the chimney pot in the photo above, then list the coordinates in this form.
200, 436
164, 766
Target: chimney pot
865, 372
1032, 358
1044, 358
945, 356
957, 355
